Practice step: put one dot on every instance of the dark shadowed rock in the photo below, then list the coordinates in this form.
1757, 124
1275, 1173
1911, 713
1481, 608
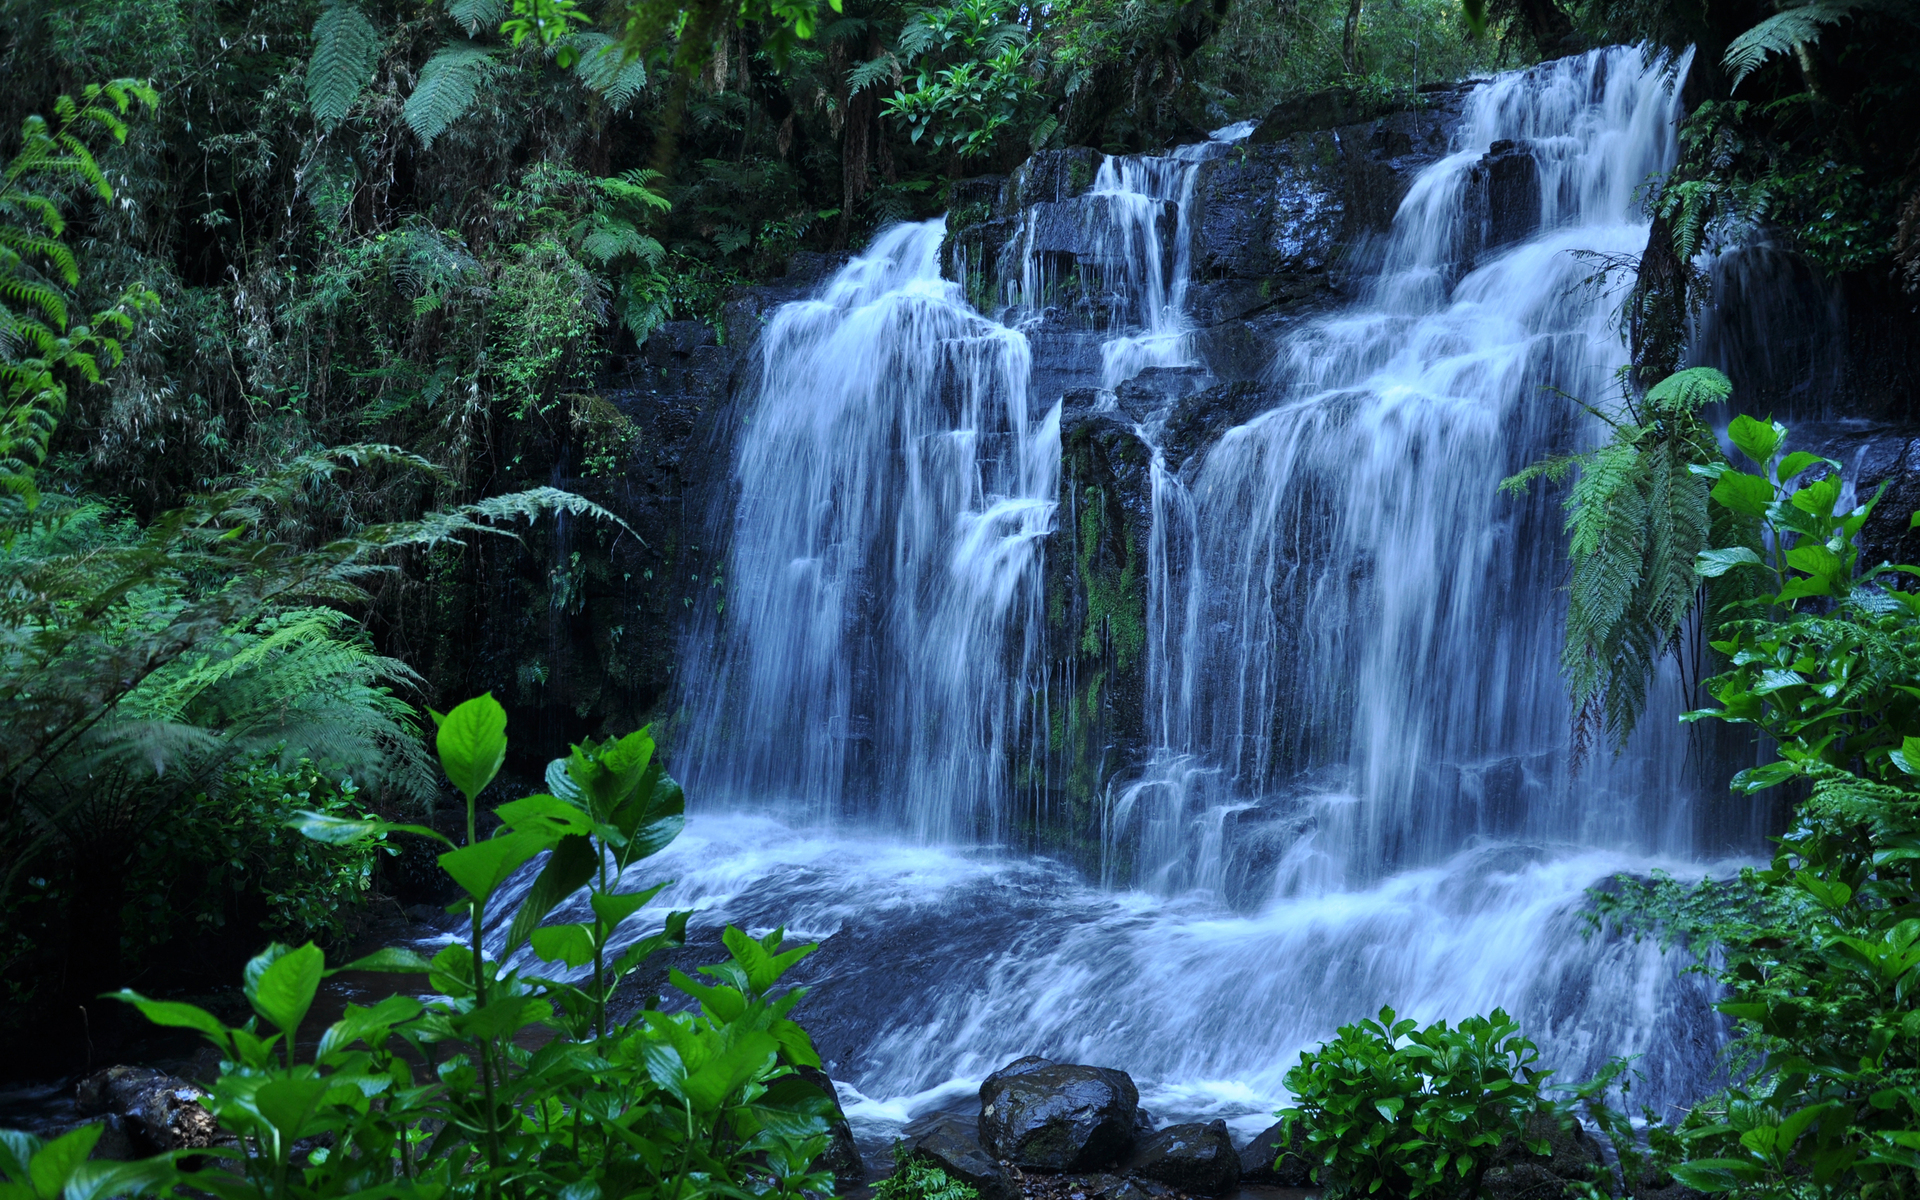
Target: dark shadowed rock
952, 1145
1197, 1159
1049, 175
1058, 1117
1267, 1161
843, 1155
1522, 1181
1517, 1173
157, 1112
1503, 199
1199, 419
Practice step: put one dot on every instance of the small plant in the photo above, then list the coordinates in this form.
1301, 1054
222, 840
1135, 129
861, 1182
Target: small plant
917, 1179
1387, 1107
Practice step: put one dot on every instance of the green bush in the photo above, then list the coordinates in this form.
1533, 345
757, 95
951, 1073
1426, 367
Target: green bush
449, 1096
917, 1179
1387, 1107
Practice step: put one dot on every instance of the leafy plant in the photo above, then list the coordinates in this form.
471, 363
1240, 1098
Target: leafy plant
407, 1098
1389, 1107
917, 1179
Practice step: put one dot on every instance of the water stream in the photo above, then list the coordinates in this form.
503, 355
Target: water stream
1353, 659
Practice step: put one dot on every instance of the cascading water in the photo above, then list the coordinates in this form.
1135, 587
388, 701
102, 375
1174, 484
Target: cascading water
1353, 647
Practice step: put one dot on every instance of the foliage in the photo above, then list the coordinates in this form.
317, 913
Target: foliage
989, 87
1638, 518
1389, 1107
412, 1099
917, 1179
39, 350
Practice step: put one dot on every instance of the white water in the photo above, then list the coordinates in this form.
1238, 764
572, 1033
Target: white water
1353, 641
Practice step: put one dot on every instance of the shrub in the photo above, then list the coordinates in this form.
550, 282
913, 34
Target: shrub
1389, 1107
917, 1179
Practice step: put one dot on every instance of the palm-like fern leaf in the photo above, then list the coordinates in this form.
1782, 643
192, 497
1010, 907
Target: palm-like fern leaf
475, 15
448, 86
345, 48
603, 66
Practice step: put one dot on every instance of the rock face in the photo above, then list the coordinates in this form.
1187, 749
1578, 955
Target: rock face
1517, 1173
949, 1143
1054, 1117
1196, 1159
1266, 1160
155, 1111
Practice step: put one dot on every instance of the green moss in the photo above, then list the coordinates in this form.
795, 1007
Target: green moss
1116, 600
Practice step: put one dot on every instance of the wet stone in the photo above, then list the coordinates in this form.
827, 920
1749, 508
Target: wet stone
1056, 1117
1267, 1160
1196, 1159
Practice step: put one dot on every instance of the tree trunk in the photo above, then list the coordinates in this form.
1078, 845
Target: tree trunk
1350, 39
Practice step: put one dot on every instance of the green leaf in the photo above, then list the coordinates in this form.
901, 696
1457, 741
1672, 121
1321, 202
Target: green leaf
448, 86
174, 1014
284, 991
484, 866
504, 1016
613, 909
392, 959
1690, 389
546, 814
54, 1163
1715, 563
1756, 439
570, 944
369, 1024
345, 48
1743, 493
342, 831
287, 1104
1818, 497
1907, 757
571, 865
472, 741
1799, 461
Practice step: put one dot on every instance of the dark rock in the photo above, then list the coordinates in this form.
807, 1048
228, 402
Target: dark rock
949, 1143
158, 1112
1156, 388
1199, 419
843, 1155
1316, 110
1522, 1181
1058, 1117
1267, 1160
1196, 1159
1019, 1066
1658, 1185
1517, 1173
1503, 199
1049, 175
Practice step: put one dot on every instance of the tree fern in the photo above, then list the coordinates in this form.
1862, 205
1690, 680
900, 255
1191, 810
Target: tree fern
476, 15
345, 49
1781, 32
448, 86
602, 65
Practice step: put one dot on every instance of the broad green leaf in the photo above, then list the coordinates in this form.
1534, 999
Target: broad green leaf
546, 814
613, 909
472, 741
570, 944
1715, 563
569, 868
339, 831
1907, 757
288, 1103
1756, 439
1743, 493
1801, 587
54, 1163
452, 972
725, 1004
504, 1016
1799, 461
176, 1015
99, 1179
482, 867
1818, 497
284, 991
392, 959
1716, 1174
369, 1024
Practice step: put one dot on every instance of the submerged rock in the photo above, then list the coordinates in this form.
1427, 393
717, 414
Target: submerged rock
1269, 1160
1054, 1117
1197, 1159
157, 1112
950, 1144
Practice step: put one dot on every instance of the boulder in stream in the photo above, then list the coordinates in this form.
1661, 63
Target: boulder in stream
1269, 1160
156, 1111
949, 1143
1057, 1117
1195, 1159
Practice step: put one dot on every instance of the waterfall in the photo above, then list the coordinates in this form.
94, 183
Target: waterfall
1359, 789
883, 581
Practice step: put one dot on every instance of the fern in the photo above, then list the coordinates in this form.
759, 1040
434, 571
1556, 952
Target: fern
603, 66
1781, 32
448, 86
883, 69
1637, 519
345, 49
475, 15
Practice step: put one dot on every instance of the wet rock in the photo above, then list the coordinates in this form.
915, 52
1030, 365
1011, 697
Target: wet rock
1517, 1173
1057, 1117
1197, 422
1268, 1160
1196, 1159
1317, 110
952, 1145
1522, 1181
1658, 1185
1503, 199
1156, 388
1049, 175
157, 1112
843, 1155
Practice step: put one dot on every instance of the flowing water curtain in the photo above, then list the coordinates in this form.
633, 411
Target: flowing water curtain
883, 620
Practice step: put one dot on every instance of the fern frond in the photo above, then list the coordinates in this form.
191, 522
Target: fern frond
476, 15
603, 66
1779, 33
345, 49
448, 86
883, 69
